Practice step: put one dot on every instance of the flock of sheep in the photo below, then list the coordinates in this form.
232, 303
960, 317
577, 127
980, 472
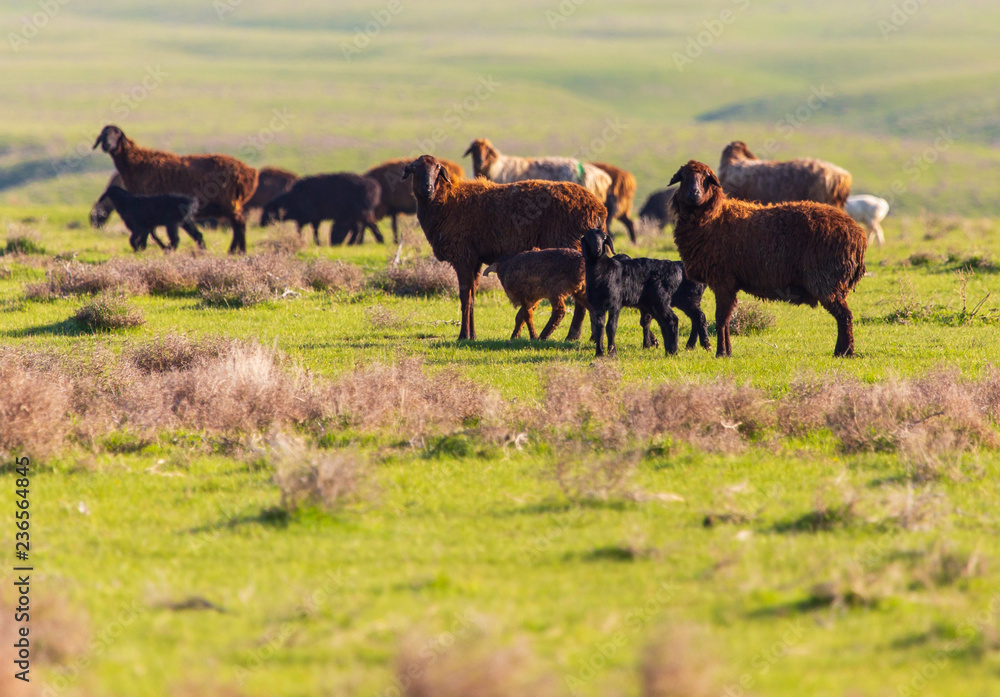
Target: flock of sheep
776, 230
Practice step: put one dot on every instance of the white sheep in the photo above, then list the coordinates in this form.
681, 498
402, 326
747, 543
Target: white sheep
490, 163
869, 211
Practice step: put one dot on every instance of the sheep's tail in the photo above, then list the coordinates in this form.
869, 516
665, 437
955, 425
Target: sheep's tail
840, 189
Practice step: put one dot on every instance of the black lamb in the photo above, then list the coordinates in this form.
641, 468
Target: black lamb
143, 214
348, 199
657, 208
614, 282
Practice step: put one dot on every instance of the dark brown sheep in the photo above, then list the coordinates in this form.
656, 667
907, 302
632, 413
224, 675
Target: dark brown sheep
802, 253
544, 274
744, 176
271, 183
656, 210
471, 223
621, 195
221, 184
397, 195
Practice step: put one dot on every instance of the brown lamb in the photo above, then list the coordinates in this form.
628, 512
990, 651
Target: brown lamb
475, 222
621, 195
221, 184
803, 253
397, 195
744, 176
553, 274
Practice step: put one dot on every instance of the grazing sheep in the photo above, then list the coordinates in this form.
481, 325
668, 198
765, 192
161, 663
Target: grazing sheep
271, 183
348, 199
621, 195
397, 195
530, 277
471, 223
743, 176
802, 252
102, 209
657, 208
870, 211
614, 282
490, 163
221, 184
143, 214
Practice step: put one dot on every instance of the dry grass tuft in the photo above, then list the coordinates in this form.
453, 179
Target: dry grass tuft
284, 239
324, 274
60, 631
319, 478
33, 407
751, 318
429, 669
22, 241
108, 312
678, 663
382, 318
173, 352
604, 479
423, 276
944, 565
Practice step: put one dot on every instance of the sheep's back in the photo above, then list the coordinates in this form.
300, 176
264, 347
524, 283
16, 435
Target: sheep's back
763, 181
217, 179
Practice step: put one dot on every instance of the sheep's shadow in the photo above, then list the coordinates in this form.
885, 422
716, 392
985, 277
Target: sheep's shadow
273, 516
553, 348
66, 327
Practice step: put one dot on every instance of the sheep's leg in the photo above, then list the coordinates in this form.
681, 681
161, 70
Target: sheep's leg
239, 243
649, 339
137, 240
611, 329
877, 229
597, 330
468, 282
724, 304
315, 227
395, 229
172, 234
530, 320
558, 312
519, 321
298, 227
579, 313
627, 222
357, 233
837, 306
373, 226
191, 229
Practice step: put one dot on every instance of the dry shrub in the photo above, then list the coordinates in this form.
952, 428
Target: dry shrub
422, 276
173, 352
21, 241
578, 398
943, 565
318, 478
910, 509
5, 270
427, 669
679, 663
403, 395
382, 318
324, 274
933, 414
807, 404
33, 406
715, 416
171, 274
750, 318
108, 312
75, 278
243, 293
284, 239
60, 631
603, 479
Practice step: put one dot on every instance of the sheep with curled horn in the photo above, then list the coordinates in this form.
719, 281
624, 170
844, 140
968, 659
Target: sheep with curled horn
221, 184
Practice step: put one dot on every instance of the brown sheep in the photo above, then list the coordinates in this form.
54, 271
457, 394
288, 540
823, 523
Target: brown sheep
271, 183
221, 184
744, 176
397, 195
621, 195
552, 274
803, 253
471, 223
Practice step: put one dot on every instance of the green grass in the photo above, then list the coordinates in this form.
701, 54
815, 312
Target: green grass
464, 534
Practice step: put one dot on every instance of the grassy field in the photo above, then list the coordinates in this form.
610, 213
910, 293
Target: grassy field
779, 523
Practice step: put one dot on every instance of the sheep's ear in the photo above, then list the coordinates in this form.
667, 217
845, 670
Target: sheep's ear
677, 177
407, 171
609, 246
444, 173
711, 179
468, 151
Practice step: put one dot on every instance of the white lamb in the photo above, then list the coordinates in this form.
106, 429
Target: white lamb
869, 211
490, 163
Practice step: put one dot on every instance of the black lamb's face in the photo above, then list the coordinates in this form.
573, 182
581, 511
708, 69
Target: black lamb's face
597, 243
